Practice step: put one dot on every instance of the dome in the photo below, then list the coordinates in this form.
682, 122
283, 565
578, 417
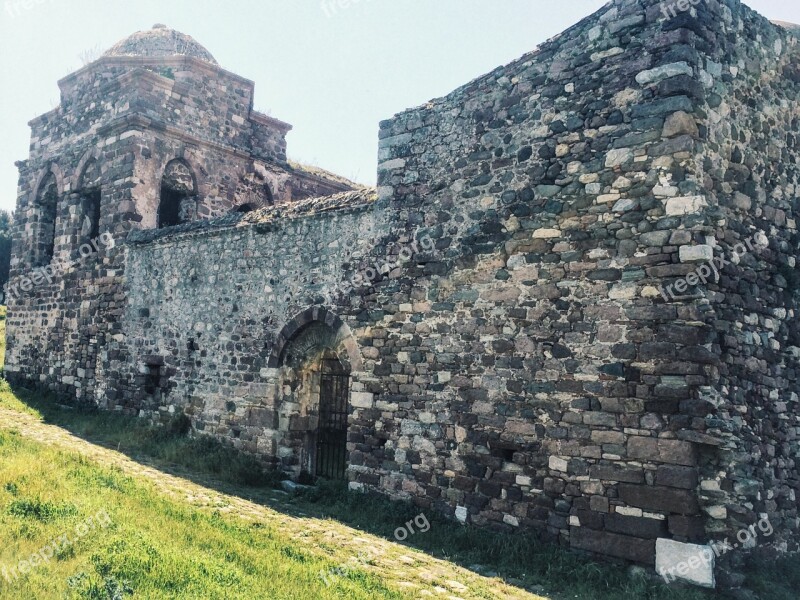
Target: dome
160, 41
792, 27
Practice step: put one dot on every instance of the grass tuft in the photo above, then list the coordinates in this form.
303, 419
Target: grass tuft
46, 512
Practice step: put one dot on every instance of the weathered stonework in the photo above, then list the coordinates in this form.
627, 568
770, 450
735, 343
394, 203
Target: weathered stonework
534, 349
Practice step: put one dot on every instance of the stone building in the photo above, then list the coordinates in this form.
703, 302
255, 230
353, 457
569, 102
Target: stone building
569, 307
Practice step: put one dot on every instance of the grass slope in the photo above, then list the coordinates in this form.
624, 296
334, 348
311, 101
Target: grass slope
153, 546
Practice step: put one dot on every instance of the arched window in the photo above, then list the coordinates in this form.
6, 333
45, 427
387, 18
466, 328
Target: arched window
178, 195
90, 198
46, 212
253, 197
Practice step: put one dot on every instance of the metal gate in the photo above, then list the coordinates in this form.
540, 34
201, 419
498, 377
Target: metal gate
334, 387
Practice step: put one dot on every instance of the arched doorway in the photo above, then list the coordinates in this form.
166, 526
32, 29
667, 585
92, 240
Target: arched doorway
331, 439
314, 356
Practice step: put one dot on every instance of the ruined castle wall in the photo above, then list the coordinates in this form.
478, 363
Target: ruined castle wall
224, 179
207, 306
302, 184
267, 140
59, 325
128, 117
206, 105
196, 103
538, 379
751, 167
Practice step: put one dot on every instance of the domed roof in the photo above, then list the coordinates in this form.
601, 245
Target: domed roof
793, 27
160, 41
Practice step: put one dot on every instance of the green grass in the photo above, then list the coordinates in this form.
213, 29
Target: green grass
153, 546
776, 578
168, 445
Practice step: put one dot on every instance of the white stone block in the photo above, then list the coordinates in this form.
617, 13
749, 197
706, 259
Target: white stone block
685, 205
628, 511
618, 156
701, 253
461, 514
511, 520
622, 291
718, 512
546, 233
663, 72
558, 464
362, 399
606, 54
690, 562
623, 205
391, 165
410, 427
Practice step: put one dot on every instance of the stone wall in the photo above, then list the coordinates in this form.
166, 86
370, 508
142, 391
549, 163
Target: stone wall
751, 176
200, 99
208, 305
573, 185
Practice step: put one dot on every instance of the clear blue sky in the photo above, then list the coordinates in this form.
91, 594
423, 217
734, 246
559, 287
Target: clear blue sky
333, 76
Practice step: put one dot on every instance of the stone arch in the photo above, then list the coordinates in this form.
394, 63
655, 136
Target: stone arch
269, 198
303, 319
178, 198
46, 198
87, 162
246, 207
316, 360
54, 170
256, 197
254, 189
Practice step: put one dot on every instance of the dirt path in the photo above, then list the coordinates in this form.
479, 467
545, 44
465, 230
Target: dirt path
420, 575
